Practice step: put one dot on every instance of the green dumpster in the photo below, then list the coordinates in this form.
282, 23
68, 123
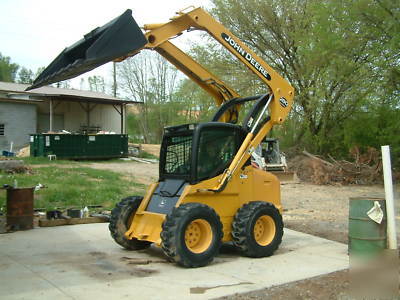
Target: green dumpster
79, 146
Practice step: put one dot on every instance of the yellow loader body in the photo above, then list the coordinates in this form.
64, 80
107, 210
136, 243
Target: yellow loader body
251, 184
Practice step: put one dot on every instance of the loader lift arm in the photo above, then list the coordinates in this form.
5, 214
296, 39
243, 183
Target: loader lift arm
158, 36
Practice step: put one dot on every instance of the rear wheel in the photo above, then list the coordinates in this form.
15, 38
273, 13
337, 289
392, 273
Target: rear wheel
257, 229
121, 218
191, 235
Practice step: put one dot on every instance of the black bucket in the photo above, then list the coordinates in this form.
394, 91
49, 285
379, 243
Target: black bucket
53, 214
74, 213
115, 39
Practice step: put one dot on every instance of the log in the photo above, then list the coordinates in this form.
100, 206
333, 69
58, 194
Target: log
317, 158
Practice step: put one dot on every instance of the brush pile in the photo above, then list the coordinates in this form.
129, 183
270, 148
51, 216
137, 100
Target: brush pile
365, 169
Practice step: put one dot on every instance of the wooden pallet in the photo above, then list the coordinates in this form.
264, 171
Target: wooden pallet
72, 221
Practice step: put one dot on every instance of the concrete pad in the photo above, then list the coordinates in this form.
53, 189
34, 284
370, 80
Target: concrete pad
83, 262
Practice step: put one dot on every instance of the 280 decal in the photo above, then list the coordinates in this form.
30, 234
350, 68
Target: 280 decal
283, 102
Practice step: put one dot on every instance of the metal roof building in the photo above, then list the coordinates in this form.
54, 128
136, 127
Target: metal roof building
49, 109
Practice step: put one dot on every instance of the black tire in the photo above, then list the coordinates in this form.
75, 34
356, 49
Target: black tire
120, 217
192, 235
265, 219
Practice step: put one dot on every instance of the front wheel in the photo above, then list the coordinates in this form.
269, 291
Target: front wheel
192, 234
120, 220
257, 229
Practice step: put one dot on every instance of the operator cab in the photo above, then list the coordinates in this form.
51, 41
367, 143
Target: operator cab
189, 154
195, 152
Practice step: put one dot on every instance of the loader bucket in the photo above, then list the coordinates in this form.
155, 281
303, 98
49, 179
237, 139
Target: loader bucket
103, 44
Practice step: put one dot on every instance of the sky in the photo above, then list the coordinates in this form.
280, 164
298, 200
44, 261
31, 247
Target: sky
34, 32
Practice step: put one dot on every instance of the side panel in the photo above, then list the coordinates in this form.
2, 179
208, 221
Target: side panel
250, 184
225, 203
266, 187
146, 225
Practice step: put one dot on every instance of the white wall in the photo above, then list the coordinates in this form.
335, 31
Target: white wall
102, 115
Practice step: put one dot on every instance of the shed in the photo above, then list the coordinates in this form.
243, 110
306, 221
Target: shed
50, 109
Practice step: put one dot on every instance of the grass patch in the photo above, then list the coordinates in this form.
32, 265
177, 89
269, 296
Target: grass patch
144, 154
43, 161
69, 186
46, 161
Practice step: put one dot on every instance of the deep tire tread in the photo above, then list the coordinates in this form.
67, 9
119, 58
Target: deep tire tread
242, 229
118, 223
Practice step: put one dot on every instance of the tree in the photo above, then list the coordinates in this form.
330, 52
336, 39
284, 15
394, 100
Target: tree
97, 84
200, 106
25, 76
380, 20
148, 77
65, 84
8, 70
323, 49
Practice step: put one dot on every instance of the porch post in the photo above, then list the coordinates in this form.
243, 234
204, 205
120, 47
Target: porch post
88, 115
51, 115
122, 119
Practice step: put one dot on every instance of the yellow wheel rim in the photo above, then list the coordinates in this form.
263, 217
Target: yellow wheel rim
198, 236
264, 230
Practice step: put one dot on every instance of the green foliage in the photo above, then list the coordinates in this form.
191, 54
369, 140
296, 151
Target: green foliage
379, 126
25, 76
342, 57
44, 160
144, 154
196, 105
8, 70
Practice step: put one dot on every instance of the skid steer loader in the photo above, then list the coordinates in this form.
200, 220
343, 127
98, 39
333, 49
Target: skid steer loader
207, 193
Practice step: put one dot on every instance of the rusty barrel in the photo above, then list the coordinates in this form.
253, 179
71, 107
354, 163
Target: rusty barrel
19, 208
365, 235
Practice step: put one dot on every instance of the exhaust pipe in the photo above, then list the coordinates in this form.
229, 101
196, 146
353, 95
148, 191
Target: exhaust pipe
115, 39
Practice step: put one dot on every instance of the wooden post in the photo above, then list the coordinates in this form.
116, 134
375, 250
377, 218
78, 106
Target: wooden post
122, 119
88, 115
51, 116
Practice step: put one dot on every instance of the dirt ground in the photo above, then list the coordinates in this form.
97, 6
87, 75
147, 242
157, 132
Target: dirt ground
320, 210
142, 172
